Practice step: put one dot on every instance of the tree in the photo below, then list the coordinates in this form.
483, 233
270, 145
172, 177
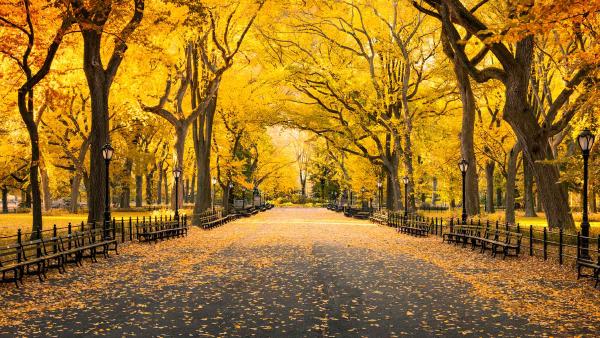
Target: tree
516, 62
92, 18
21, 53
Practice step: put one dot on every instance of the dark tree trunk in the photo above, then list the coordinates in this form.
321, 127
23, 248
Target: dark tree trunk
467, 130
434, 195
166, 182
149, 187
45, 186
499, 200
534, 139
489, 178
26, 110
528, 199
202, 145
538, 206
181, 134
394, 190
138, 190
186, 192
99, 91
408, 165
593, 206
126, 184
91, 23
28, 199
4, 200
511, 176
75, 185
193, 186
159, 185
225, 199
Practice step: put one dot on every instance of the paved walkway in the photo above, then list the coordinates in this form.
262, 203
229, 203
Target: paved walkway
297, 273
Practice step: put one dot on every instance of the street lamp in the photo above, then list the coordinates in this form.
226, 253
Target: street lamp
213, 181
405, 179
463, 165
379, 192
586, 141
177, 175
107, 154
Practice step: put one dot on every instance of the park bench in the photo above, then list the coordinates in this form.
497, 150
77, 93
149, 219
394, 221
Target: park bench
588, 263
10, 262
246, 212
415, 228
362, 214
37, 256
93, 241
379, 217
214, 219
498, 241
160, 230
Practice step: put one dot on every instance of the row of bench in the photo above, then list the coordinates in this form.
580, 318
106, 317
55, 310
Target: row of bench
497, 240
39, 255
485, 237
414, 227
379, 217
161, 230
213, 219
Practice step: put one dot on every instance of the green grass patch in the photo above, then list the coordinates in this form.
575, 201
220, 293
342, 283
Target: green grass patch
10, 223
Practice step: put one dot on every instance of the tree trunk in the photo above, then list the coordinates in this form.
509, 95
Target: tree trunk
394, 190
538, 207
489, 178
45, 186
159, 185
511, 176
99, 91
181, 134
467, 130
138, 190
499, 199
593, 206
408, 165
434, 194
528, 199
166, 181
75, 185
149, 187
4, 200
126, 184
193, 185
225, 199
28, 199
534, 139
202, 146
26, 111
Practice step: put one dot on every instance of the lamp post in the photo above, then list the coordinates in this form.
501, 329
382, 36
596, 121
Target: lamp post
107, 154
379, 192
213, 181
463, 165
405, 179
177, 175
586, 141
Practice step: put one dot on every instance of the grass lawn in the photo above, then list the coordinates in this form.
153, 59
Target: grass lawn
9, 223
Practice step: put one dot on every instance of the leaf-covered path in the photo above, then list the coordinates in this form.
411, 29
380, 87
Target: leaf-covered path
302, 272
